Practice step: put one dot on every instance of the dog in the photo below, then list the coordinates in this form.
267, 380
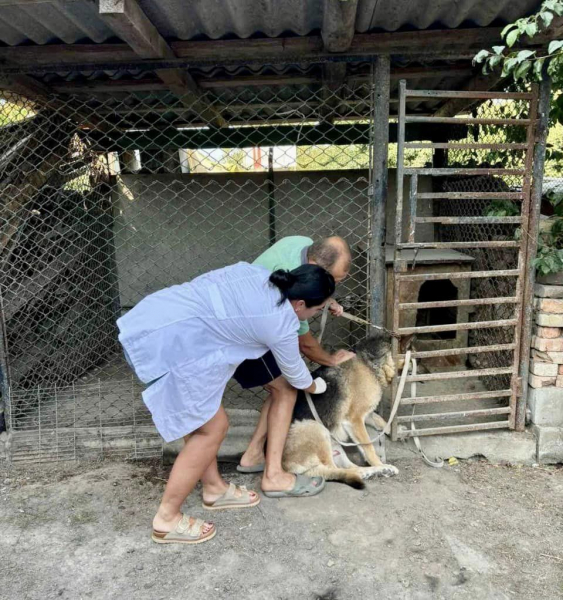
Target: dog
354, 390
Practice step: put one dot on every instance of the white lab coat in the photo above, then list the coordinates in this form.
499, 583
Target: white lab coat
192, 337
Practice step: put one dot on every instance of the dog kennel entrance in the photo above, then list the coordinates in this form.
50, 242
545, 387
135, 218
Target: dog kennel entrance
481, 207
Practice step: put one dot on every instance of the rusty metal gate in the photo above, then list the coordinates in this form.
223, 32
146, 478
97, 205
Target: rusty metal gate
460, 263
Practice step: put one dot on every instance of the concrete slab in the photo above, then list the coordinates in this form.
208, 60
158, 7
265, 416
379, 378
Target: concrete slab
549, 444
546, 406
496, 446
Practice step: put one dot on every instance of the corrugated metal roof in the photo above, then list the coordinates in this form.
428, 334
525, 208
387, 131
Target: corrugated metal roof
73, 21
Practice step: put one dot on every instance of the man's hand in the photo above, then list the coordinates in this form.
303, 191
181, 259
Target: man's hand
335, 309
341, 356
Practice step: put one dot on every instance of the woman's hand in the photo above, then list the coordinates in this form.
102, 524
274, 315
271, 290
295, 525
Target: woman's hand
318, 386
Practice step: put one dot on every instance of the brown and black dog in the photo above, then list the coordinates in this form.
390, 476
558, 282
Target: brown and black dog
354, 390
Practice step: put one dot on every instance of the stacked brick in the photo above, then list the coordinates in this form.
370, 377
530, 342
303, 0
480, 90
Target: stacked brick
546, 364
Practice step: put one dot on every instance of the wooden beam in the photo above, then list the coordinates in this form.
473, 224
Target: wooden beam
246, 137
334, 78
339, 21
479, 83
127, 19
450, 43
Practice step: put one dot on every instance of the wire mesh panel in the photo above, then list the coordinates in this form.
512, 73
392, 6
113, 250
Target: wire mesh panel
465, 307
111, 194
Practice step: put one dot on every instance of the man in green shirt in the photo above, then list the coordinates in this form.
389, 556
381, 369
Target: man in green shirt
333, 254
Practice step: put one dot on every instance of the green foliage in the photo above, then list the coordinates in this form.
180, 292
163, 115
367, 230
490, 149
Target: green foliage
522, 64
549, 257
13, 112
502, 208
328, 157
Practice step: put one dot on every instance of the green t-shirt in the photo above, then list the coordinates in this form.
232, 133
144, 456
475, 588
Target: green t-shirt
289, 253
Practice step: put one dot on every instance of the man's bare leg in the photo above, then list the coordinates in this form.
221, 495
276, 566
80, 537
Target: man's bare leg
254, 454
283, 397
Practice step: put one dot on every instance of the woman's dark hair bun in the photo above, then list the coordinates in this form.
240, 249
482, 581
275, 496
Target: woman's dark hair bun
283, 279
309, 283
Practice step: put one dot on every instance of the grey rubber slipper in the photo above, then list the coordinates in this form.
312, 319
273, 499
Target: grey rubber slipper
253, 469
304, 487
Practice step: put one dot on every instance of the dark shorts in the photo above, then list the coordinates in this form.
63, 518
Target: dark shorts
257, 372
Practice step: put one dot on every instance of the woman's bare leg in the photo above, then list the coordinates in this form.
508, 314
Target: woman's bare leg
199, 451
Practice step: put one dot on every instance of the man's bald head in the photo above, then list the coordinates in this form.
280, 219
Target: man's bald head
333, 254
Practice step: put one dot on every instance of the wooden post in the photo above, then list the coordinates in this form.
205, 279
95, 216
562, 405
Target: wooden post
378, 188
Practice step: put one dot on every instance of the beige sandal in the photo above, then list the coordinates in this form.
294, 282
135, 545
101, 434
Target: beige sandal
229, 500
184, 533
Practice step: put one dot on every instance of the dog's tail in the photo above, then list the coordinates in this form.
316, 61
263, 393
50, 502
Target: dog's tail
347, 476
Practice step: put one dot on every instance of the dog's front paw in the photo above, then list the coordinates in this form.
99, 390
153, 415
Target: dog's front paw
387, 471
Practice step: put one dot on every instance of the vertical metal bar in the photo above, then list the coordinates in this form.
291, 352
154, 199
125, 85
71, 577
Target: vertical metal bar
135, 456
522, 266
100, 419
74, 421
532, 243
56, 422
397, 265
4, 367
271, 198
378, 189
412, 204
39, 422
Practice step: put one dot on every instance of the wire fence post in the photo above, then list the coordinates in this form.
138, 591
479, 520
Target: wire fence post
378, 188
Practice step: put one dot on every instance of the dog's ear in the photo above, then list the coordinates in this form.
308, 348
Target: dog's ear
406, 343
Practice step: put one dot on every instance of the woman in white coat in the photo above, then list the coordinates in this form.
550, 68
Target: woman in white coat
185, 343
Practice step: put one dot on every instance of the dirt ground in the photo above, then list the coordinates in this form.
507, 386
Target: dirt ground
471, 530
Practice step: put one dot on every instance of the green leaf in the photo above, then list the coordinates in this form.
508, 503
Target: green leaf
538, 67
480, 56
558, 9
523, 55
508, 66
522, 70
531, 29
498, 49
547, 17
554, 46
507, 29
495, 61
512, 37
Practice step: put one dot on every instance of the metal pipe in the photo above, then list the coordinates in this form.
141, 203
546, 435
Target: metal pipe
457, 397
397, 265
532, 238
271, 198
522, 263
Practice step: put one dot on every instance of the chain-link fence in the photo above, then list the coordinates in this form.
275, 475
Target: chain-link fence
489, 259
111, 194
